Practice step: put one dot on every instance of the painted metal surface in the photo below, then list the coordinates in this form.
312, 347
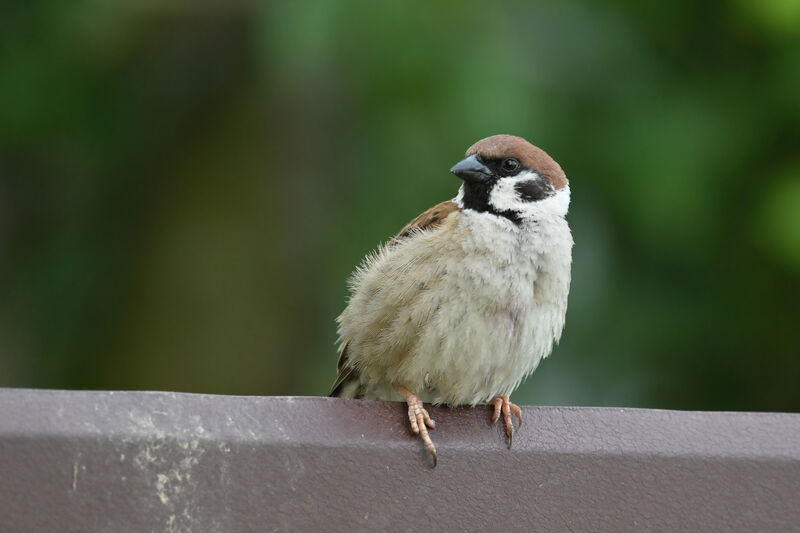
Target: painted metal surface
155, 461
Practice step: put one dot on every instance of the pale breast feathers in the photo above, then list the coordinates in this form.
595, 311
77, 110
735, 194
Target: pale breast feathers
430, 219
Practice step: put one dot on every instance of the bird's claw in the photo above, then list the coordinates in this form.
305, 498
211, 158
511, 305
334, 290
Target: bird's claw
503, 405
420, 421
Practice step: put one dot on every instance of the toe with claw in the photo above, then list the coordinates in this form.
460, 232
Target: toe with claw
502, 404
420, 420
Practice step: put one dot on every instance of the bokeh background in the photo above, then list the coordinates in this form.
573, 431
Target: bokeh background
186, 185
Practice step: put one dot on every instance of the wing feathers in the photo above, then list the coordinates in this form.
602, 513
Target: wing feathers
427, 220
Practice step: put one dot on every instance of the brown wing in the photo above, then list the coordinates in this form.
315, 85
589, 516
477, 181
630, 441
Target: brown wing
427, 220
347, 374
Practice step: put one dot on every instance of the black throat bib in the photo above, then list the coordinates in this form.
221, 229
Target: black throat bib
476, 198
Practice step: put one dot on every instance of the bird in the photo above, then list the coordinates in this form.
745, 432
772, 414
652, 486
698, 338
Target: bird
466, 300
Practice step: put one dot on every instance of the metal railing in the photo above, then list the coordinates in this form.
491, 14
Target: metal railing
156, 461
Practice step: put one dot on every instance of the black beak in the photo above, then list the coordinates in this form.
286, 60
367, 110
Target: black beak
472, 170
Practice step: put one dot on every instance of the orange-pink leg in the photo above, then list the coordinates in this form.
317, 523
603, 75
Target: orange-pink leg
420, 420
504, 405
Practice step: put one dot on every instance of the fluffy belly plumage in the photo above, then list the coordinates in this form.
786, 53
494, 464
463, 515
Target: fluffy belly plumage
459, 332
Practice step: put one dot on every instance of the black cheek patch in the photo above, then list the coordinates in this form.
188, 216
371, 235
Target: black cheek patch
534, 190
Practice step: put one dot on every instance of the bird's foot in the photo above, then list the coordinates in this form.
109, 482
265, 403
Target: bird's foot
504, 405
420, 420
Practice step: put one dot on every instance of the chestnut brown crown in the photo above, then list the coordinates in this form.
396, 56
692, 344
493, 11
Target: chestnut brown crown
530, 156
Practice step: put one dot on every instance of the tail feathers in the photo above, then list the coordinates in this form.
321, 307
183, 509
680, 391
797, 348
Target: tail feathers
348, 381
347, 385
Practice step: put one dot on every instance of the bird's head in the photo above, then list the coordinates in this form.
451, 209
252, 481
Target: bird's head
509, 177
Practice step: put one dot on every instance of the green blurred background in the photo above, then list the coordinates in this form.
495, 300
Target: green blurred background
185, 186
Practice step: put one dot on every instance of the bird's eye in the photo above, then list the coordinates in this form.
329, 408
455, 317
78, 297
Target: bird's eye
510, 165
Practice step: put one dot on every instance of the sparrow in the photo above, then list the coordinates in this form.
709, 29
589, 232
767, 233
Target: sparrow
468, 298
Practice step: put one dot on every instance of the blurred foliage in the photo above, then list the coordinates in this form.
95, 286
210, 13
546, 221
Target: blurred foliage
185, 186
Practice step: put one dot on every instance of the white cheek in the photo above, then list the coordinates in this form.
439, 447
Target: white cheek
504, 197
459, 199
558, 204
